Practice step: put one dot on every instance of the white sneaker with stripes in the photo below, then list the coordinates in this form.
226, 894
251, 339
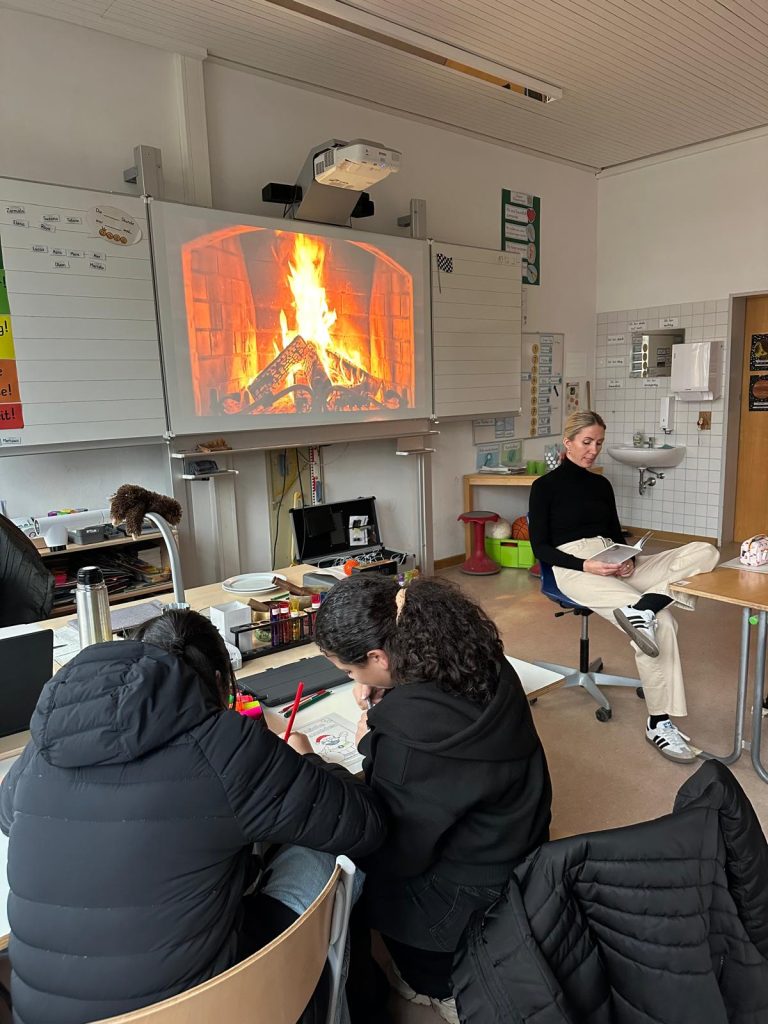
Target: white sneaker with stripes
669, 741
640, 626
445, 1007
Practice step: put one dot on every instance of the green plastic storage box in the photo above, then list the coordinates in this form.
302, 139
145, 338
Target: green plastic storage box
510, 553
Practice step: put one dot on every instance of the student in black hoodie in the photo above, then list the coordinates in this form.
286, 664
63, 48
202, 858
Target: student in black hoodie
451, 748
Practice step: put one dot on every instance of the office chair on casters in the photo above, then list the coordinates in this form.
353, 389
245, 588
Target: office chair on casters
589, 673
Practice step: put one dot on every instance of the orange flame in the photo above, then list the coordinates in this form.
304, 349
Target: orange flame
313, 317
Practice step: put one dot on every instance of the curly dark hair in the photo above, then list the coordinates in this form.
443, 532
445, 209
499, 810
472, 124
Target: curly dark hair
194, 639
441, 635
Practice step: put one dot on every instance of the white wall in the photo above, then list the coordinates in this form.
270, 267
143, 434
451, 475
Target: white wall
674, 238
76, 102
261, 130
684, 230
33, 484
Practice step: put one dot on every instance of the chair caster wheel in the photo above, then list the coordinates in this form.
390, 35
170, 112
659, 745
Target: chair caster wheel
640, 692
533, 700
603, 714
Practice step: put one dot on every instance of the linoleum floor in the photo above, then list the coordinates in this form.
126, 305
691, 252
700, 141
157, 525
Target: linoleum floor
605, 775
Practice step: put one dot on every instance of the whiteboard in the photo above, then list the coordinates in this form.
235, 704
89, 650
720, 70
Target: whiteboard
79, 348
476, 330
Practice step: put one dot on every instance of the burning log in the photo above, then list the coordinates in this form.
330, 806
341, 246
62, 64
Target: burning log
297, 380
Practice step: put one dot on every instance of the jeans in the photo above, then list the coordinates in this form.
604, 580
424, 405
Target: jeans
295, 877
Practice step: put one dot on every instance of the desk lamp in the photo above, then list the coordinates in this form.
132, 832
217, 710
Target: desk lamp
132, 504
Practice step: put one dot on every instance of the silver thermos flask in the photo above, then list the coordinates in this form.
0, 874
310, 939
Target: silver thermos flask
92, 600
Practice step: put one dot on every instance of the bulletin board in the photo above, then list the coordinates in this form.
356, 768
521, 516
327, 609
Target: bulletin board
79, 349
543, 385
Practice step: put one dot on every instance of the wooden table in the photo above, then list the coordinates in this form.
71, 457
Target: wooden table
472, 480
748, 590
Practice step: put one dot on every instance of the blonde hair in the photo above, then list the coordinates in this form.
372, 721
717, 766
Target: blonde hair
580, 420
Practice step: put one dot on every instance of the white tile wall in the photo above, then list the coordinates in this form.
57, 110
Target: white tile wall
689, 498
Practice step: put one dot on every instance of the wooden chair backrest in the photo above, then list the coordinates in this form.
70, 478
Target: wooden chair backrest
271, 987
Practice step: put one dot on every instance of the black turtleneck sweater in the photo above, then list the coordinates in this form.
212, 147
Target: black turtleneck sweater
570, 503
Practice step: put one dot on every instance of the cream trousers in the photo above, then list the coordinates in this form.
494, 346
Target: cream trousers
662, 677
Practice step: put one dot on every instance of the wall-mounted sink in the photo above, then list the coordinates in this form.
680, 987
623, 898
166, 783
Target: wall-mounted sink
648, 458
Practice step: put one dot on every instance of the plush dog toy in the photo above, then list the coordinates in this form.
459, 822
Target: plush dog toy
130, 503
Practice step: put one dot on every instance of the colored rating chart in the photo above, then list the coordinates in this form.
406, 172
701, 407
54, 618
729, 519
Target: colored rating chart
11, 417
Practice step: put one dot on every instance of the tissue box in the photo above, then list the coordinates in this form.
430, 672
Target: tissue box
228, 615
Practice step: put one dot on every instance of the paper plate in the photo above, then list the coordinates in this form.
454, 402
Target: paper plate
252, 583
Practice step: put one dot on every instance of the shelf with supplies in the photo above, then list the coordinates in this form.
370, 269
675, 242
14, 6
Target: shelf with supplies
128, 572
207, 476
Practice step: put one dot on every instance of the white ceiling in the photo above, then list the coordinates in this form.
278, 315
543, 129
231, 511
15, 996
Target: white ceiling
639, 76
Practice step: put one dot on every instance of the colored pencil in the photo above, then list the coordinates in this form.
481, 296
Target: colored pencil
310, 700
303, 701
296, 699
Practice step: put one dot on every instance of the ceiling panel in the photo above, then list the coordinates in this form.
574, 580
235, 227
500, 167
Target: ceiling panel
639, 76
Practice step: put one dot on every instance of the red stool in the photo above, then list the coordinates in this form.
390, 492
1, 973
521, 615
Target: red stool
478, 563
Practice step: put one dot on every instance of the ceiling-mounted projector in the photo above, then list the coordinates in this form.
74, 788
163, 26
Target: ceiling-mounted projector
330, 188
356, 165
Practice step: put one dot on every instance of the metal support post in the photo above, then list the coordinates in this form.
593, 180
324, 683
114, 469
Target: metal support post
147, 172
426, 552
415, 219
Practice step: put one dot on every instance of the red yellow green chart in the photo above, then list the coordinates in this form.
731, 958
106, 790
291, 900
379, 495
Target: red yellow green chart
11, 416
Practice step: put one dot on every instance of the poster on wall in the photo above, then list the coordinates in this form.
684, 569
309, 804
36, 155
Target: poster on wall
11, 414
542, 392
521, 231
758, 393
572, 402
758, 353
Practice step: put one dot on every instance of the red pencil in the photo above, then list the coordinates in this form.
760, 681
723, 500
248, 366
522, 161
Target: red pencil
296, 699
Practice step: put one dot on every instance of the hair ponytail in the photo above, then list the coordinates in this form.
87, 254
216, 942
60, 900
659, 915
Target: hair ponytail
432, 633
192, 638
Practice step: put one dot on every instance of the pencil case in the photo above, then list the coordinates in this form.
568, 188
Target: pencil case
754, 550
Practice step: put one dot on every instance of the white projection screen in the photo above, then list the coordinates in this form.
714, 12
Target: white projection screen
271, 323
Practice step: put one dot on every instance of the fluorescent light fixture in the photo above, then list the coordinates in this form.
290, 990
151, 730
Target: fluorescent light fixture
381, 30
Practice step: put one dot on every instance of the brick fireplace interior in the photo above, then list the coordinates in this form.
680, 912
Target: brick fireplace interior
283, 322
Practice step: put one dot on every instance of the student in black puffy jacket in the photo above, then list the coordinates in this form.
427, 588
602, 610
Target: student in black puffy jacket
131, 815
451, 748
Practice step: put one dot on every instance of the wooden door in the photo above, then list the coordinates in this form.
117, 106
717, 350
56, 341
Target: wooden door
752, 482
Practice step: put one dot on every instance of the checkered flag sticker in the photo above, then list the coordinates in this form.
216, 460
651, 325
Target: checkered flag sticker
444, 263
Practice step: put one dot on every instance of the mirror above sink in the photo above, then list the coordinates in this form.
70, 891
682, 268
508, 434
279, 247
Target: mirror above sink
664, 457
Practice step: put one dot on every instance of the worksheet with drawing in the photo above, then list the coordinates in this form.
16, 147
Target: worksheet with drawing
333, 738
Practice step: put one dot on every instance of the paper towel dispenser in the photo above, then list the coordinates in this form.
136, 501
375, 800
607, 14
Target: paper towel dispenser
696, 371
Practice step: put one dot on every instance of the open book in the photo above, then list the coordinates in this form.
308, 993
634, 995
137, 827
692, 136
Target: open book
618, 553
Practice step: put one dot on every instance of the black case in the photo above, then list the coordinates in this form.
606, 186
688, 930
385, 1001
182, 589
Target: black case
278, 685
321, 533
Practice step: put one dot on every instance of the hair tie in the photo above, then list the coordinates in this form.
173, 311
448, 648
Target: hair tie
400, 603
178, 646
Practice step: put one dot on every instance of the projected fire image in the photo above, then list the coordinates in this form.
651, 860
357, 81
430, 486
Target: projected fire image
285, 322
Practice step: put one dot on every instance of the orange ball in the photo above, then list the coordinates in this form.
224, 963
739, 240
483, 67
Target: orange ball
520, 528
